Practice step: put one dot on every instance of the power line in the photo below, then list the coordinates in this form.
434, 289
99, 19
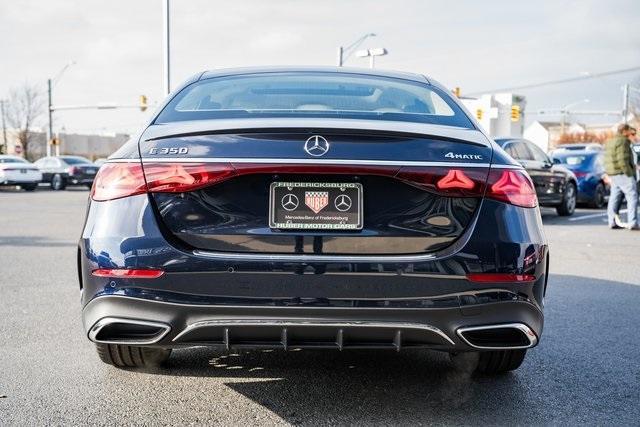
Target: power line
555, 82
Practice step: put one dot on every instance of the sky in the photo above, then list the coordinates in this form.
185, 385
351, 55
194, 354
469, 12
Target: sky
478, 46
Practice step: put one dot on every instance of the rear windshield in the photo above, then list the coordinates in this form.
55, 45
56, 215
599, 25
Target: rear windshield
301, 94
11, 160
75, 160
575, 161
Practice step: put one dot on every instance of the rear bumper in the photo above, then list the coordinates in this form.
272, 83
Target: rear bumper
180, 325
326, 301
19, 181
79, 180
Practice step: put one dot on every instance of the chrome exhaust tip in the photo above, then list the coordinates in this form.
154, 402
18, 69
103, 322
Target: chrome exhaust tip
113, 330
507, 336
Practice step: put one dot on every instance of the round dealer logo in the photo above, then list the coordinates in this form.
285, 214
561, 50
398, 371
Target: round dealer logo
342, 203
289, 202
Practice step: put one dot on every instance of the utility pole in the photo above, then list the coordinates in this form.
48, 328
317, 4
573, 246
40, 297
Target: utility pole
50, 111
4, 128
166, 77
625, 103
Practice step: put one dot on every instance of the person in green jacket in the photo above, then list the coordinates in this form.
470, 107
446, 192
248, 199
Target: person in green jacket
619, 165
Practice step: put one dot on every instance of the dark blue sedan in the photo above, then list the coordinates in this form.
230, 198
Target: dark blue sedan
588, 167
322, 208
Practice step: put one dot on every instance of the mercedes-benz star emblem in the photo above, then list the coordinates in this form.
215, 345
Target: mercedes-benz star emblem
289, 202
343, 203
316, 146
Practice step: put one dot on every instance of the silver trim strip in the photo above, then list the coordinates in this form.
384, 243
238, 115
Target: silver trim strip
235, 256
100, 324
531, 336
360, 162
314, 323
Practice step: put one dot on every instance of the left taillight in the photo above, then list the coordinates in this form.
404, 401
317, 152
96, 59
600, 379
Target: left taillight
117, 180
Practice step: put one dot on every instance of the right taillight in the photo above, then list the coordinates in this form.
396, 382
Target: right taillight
511, 186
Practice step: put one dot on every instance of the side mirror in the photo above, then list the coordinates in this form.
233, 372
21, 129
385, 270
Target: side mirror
556, 161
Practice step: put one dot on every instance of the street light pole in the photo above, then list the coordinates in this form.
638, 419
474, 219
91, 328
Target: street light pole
565, 111
345, 52
166, 72
50, 83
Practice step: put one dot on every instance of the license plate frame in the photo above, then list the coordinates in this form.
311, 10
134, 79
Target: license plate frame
340, 209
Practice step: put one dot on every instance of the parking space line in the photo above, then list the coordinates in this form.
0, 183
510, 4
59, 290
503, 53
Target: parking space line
578, 218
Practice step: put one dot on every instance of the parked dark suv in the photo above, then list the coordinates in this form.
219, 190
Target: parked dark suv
61, 171
326, 208
556, 186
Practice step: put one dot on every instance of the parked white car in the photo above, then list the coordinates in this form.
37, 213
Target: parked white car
15, 170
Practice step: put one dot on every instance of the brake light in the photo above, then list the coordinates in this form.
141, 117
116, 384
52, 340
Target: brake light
127, 273
455, 179
183, 177
512, 186
116, 180
580, 174
448, 182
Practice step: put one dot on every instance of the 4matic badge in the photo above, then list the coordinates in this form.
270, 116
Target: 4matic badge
452, 155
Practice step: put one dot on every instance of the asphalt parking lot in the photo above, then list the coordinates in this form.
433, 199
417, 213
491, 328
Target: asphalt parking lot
586, 369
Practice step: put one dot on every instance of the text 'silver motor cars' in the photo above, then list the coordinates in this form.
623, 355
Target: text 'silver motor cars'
326, 208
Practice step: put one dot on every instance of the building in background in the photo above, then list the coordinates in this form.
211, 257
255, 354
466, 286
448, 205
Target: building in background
546, 134
500, 114
89, 146
549, 134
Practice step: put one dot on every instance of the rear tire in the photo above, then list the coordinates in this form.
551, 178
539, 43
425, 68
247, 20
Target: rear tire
598, 197
488, 362
58, 183
29, 187
568, 205
128, 356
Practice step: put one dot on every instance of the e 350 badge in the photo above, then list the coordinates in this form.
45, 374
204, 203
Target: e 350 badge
171, 150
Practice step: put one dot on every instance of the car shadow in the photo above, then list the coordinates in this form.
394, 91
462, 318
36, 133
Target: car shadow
585, 368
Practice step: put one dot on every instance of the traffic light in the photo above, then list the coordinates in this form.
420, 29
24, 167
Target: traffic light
55, 141
143, 103
515, 113
479, 113
456, 91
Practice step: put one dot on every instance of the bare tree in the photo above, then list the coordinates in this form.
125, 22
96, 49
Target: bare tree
23, 109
